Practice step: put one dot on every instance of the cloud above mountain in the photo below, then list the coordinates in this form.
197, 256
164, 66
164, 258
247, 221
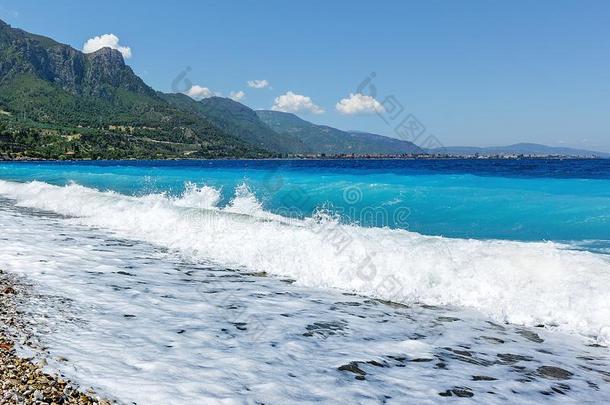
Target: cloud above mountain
294, 103
198, 92
258, 84
359, 104
237, 95
106, 41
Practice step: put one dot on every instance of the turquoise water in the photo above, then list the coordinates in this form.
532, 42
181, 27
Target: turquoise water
178, 265
515, 200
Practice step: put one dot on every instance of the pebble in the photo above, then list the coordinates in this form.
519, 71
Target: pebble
554, 373
22, 381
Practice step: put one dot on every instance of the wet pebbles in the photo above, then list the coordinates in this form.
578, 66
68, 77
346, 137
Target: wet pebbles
22, 381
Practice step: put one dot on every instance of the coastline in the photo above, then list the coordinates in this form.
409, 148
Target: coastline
22, 379
316, 158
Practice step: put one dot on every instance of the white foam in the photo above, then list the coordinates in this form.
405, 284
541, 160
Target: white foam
199, 197
524, 283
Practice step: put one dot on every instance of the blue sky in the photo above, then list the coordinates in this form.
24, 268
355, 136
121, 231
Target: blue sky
473, 72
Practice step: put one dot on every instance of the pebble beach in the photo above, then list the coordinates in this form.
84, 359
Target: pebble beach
24, 380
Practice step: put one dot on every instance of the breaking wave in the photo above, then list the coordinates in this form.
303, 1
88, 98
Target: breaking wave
518, 282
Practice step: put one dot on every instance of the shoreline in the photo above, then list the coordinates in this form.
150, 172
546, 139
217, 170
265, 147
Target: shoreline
23, 380
318, 158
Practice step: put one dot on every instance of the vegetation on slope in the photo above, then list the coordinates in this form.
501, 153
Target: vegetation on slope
328, 140
57, 102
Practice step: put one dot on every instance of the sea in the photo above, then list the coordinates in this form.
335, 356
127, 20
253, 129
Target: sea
306, 281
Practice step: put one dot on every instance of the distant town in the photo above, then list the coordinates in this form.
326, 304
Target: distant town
432, 156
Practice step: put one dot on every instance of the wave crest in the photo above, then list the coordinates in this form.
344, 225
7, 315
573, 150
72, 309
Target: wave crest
524, 283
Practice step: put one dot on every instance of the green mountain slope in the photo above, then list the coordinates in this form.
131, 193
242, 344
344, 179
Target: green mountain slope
238, 120
328, 140
57, 102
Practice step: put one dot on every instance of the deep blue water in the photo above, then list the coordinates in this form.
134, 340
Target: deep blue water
560, 200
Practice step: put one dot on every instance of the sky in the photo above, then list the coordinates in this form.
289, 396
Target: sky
480, 73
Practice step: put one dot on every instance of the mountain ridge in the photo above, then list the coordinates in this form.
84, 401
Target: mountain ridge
238, 120
58, 102
323, 139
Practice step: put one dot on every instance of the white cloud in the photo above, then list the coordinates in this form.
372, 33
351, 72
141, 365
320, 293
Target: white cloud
294, 103
359, 104
106, 41
237, 95
258, 84
198, 92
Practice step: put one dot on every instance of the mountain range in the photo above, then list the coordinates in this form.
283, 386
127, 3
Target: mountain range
57, 102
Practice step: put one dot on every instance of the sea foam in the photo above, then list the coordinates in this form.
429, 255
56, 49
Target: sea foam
523, 283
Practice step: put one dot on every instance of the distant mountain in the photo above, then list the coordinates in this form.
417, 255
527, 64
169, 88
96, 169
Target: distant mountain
328, 140
531, 149
56, 101
240, 121
385, 143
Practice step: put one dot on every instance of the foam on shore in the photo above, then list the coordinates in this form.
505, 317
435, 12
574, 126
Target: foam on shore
523, 283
